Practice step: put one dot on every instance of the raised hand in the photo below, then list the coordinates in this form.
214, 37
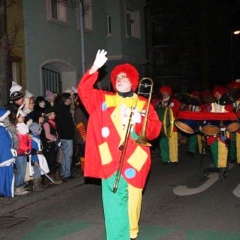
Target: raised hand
100, 58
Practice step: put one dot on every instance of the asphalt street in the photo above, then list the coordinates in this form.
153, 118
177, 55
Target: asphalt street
178, 204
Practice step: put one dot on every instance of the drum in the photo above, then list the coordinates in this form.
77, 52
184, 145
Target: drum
210, 123
186, 125
210, 127
160, 113
232, 126
166, 117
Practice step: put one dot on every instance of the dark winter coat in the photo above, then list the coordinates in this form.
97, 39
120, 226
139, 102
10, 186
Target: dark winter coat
65, 123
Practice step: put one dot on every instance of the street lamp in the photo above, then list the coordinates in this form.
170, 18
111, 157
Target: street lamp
237, 32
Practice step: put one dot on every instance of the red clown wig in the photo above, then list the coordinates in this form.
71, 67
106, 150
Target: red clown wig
196, 94
206, 93
220, 89
166, 89
129, 70
233, 84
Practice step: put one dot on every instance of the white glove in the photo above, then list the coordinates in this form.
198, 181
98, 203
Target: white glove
136, 117
100, 58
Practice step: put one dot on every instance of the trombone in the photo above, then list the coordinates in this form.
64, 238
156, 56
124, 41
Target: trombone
141, 140
148, 83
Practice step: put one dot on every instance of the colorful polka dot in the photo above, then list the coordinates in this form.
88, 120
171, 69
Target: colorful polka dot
104, 106
105, 132
130, 173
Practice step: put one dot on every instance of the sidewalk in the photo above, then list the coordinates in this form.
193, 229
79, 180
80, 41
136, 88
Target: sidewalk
9, 205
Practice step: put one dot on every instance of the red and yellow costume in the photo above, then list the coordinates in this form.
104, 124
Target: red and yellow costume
105, 134
235, 136
169, 145
218, 146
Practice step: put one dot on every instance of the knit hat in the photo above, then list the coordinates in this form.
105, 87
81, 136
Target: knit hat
206, 93
15, 88
166, 89
50, 110
28, 94
35, 115
74, 89
234, 84
69, 90
130, 71
16, 92
35, 128
3, 113
16, 96
50, 95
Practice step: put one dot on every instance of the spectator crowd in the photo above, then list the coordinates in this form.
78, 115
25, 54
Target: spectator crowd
42, 139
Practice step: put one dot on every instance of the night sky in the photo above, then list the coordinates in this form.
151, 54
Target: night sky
203, 29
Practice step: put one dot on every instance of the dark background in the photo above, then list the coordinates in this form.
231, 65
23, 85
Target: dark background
194, 41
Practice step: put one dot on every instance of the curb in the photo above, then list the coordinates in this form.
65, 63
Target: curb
12, 204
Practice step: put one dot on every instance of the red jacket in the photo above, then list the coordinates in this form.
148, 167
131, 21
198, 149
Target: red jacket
105, 133
25, 145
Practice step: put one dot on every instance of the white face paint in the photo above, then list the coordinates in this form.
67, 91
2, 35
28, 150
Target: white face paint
42, 104
122, 83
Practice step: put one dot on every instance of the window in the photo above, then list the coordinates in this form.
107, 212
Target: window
51, 80
133, 24
56, 10
15, 69
85, 9
109, 25
88, 14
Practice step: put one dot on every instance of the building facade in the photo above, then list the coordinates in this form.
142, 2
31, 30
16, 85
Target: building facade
63, 36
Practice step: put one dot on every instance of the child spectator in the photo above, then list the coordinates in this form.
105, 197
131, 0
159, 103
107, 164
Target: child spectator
29, 102
24, 149
49, 137
40, 104
38, 161
16, 97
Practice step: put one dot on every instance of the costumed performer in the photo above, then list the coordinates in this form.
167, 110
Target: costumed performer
169, 145
7, 157
108, 122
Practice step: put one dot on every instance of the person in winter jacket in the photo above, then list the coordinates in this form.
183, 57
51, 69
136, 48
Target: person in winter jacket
50, 141
81, 119
66, 132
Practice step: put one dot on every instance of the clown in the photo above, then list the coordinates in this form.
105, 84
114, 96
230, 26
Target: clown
108, 122
234, 86
169, 145
218, 146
